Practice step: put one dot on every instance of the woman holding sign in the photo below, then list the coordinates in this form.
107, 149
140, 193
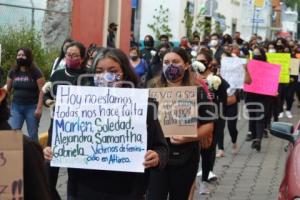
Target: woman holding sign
112, 69
75, 66
177, 178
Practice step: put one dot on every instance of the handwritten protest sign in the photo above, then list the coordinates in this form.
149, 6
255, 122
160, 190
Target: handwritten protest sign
295, 63
284, 60
232, 70
11, 165
177, 111
100, 128
265, 78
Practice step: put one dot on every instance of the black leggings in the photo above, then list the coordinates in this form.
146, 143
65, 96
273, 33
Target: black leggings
287, 93
219, 132
208, 157
173, 180
231, 118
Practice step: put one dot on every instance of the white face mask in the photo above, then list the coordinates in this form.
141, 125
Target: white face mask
272, 51
214, 43
106, 79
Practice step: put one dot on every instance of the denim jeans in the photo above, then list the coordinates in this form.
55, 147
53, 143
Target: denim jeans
21, 113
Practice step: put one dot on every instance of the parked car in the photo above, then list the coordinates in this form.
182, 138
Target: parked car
290, 185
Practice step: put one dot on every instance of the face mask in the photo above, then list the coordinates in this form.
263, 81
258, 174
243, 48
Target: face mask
134, 58
147, 43
23, 62
106, 79
272, 51
73, 64
258, 57
173, 72
214, 43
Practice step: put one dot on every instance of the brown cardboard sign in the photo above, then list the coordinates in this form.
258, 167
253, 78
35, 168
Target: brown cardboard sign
11, 165
177, 111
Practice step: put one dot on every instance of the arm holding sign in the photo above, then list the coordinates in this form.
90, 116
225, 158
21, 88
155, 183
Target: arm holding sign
248, 79
205, 122
157, 154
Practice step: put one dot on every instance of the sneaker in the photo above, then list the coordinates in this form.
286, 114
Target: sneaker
212, 176
235, 149
289, 114
249, 137
220, 154
204, 188
280, 115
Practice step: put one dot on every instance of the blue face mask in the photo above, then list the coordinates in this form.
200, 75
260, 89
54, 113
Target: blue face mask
173, 72
106, 79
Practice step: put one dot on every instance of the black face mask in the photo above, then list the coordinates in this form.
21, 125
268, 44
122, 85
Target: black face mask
258, 57
134, 58
23, 62
147, 44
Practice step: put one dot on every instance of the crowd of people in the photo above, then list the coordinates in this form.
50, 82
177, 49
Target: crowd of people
171, 163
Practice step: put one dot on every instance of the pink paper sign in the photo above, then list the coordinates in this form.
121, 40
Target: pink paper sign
265, 78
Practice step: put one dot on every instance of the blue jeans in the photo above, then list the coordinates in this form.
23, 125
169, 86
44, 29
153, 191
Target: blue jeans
21, 113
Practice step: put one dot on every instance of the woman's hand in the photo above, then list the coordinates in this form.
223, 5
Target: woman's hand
182, 139
38, 113
151, 159
48, 154
49, 102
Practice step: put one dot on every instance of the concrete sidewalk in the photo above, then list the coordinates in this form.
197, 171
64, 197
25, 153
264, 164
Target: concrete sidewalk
247, 176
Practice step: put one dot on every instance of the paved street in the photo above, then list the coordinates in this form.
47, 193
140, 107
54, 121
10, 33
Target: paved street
247, 176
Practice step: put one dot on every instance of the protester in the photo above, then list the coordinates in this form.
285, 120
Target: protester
148, 52
155, 67
25, 80
216, 47
139, 65
217, 87
100, 184
256, 103
75, 66
177, 178
60, 62
111, 37
91, 53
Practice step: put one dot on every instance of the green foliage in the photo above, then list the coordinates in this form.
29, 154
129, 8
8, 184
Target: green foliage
188, 21
206, 26
292, 3
12, 38
160, 25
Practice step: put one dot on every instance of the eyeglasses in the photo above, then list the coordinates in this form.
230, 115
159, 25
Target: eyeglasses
72, 56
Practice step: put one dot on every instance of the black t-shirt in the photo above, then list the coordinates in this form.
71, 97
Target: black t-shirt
25, 87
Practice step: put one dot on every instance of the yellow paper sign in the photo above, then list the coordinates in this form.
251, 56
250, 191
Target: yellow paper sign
177, 110
11, 165
259, 3
284, 60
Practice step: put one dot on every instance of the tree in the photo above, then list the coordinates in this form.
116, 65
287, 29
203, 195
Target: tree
161, 22
292, 3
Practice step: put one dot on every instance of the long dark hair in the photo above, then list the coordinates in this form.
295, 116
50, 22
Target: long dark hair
121, 58
62, 52
187, 79
29, 56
